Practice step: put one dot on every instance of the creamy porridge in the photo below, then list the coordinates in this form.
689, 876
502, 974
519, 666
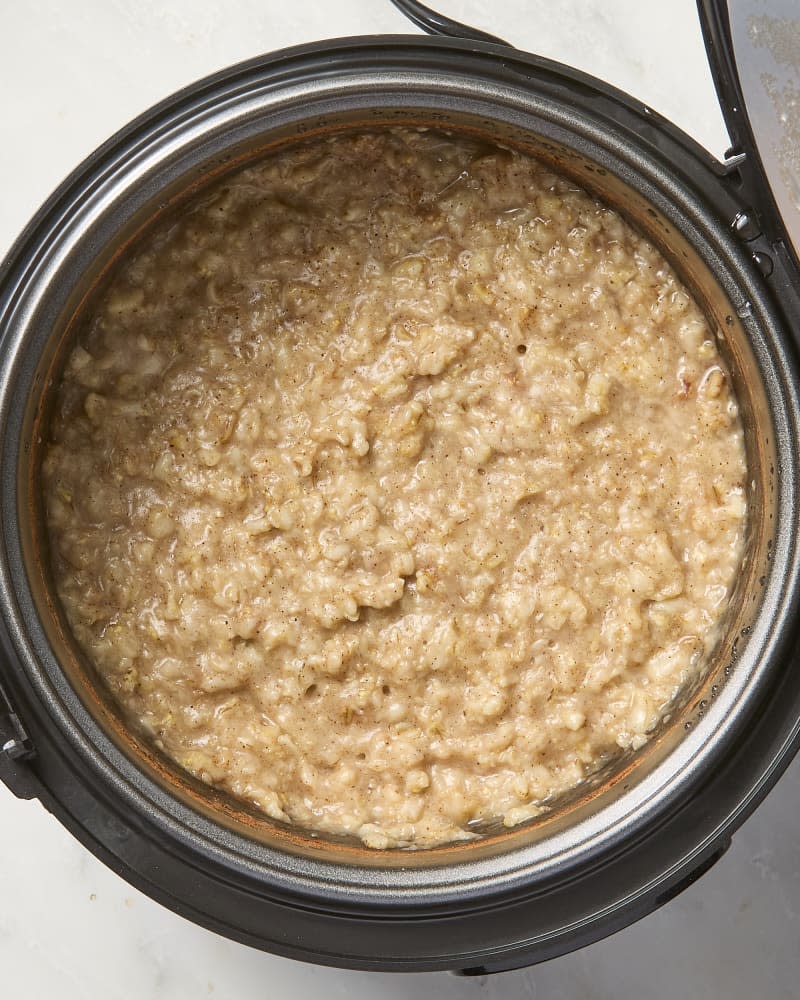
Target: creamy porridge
395, 486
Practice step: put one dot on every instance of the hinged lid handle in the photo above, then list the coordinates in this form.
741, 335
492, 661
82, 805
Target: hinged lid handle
754, 54
434, 23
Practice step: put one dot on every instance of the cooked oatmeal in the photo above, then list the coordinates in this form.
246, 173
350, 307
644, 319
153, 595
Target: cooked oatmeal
395, 486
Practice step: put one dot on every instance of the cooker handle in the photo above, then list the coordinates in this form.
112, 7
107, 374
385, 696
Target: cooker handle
16, 751
437, 24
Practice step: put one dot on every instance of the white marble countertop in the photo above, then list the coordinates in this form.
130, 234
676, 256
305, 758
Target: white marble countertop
71, 73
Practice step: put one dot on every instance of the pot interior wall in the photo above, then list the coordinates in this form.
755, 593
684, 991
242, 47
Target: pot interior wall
668, 232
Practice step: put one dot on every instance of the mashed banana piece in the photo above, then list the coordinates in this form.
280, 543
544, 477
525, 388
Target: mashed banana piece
395, 486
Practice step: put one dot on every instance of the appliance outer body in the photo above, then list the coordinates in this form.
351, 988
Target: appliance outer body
494, 910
